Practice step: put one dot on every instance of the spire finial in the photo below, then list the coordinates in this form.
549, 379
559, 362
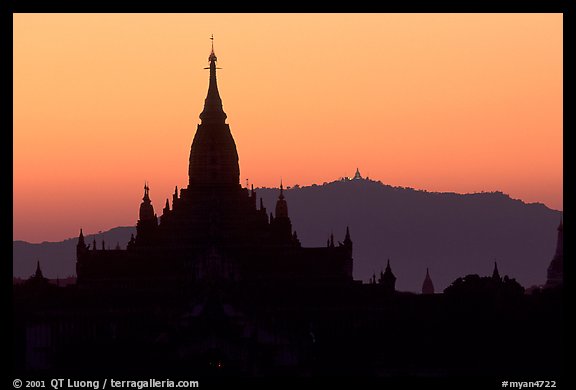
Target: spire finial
146, 192
213, 112
212, 57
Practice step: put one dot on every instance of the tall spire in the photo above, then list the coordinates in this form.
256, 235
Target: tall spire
213, 112
213, 155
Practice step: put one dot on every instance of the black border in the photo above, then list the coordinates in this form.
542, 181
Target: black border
291, 6
425, 6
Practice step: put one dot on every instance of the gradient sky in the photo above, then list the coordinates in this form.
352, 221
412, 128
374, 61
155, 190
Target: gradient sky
442, 102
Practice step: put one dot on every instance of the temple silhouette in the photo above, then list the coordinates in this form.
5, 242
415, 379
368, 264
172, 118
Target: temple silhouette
214, 230
219, 286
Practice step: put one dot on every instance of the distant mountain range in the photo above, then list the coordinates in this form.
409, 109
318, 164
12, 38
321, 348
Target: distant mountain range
451, 234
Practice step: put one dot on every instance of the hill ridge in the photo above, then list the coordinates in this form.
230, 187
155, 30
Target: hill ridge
452, 234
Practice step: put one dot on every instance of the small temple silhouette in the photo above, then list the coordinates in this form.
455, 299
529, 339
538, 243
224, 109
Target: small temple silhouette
357, 176
427, 285
387, 279
37, 280
219, 286
495, 273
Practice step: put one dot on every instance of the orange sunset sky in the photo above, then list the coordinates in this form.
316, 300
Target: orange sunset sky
441, 102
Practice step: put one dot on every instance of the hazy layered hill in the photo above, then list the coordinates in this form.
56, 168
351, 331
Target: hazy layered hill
452, 234
58, 259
